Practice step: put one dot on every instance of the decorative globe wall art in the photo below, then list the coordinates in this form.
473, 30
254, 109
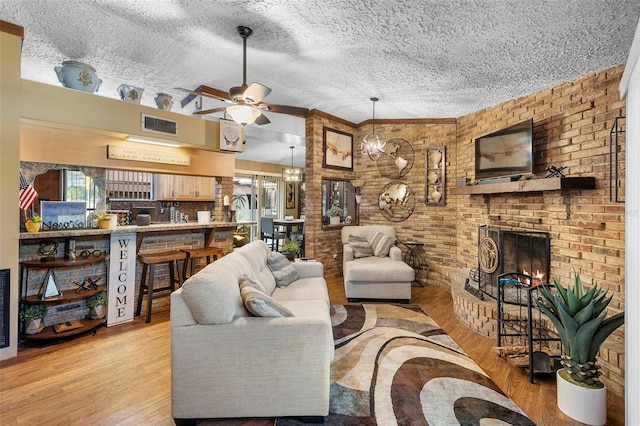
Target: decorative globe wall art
396, 201
397, 159
434, 175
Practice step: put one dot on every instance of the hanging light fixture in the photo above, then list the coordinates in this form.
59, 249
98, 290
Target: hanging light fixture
293, 174
243, 114
373, 144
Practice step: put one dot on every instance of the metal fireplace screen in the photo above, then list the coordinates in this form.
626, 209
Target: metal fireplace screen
502, 251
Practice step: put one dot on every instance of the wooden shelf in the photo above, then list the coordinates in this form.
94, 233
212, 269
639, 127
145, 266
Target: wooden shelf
69, 296
49, 333
63, 263
550, 184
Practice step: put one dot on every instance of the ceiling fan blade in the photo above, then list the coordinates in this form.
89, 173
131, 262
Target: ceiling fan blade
209, 111
262, 119
290, 110
256, 92
206, 91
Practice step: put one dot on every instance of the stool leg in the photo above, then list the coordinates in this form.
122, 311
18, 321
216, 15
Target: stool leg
152, 274
143, 285
172, 275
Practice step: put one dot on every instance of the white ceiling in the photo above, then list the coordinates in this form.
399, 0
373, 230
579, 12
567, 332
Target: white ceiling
422, 58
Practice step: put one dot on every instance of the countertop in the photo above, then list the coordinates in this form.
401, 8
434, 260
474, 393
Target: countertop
154, 227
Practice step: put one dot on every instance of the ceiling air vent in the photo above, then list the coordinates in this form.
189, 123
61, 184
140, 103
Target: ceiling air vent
159, 125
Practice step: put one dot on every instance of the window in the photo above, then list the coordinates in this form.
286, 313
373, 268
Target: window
79, 187
129, 185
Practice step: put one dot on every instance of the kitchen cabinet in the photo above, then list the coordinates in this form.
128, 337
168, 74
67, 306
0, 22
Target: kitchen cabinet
180, 187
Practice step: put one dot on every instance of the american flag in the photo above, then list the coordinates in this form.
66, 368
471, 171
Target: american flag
28, 195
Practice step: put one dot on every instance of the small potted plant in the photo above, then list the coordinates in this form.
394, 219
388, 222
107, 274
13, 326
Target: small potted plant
97, 305
334, 214
579, 319
291, 249
104, 221
33, 223
32, 316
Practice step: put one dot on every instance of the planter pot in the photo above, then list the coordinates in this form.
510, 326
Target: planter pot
291, 256
33, 326
164, 101
97, 312
130, 94
32, 226
78, 76
582, 404
334, 220
104, 224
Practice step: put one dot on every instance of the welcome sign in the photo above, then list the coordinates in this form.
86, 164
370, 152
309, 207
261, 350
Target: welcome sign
122, 279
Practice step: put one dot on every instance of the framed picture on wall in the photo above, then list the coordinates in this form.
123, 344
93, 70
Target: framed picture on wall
291, 195
338, 149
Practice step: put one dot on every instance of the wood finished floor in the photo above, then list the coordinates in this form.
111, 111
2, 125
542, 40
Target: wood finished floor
121, 376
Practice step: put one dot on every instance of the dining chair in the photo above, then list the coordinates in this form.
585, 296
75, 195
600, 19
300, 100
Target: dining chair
268, 232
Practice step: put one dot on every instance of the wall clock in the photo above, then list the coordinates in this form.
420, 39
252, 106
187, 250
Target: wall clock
396, 201
397, 159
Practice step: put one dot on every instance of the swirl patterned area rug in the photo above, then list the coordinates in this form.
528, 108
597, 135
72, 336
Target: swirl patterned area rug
394, 365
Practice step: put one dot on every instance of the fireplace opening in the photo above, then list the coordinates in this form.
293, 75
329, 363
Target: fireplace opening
503, 251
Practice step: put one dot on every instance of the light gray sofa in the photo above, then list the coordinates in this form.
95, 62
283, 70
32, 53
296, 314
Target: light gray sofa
373, 277
226, 363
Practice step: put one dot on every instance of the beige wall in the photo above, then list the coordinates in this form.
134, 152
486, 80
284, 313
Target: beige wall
10, 46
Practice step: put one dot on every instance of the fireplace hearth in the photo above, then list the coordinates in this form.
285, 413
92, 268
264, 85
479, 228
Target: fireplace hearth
503, 250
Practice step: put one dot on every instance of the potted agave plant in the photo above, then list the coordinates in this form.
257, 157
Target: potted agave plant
580, 320
334, 214
104, 221
33, 223
32, 316
97, 305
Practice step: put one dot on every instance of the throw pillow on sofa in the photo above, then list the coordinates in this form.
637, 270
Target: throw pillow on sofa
258, 303
360, 246
212, 299
381, 244
282, 269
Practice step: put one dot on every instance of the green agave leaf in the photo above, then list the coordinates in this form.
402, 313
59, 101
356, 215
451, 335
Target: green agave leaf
550, 299
561, 290
570, 326
562, 333
585, 314
584, 338
600, 295
573, 303
601, 306
577, 288
588, 296
607, 327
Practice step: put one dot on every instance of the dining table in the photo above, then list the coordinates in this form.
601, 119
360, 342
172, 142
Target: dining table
288, 225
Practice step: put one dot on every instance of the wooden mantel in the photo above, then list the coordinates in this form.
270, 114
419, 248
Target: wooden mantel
549, 184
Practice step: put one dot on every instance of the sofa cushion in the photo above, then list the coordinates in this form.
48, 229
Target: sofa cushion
303, 289
282, 270
258, 303
360, 246
376, 269
212, 298
381, 244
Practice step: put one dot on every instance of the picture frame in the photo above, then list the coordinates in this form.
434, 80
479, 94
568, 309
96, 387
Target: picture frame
337, 147
232, 136
291, 195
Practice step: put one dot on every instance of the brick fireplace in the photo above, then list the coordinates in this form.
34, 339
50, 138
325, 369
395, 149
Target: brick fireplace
503, 250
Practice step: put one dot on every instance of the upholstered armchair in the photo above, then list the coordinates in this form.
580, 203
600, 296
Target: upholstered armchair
372, 265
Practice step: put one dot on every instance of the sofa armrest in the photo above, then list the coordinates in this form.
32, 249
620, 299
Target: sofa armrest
395, 253
347, 253
309, 269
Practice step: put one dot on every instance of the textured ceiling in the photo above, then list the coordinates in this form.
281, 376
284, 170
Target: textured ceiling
423, 59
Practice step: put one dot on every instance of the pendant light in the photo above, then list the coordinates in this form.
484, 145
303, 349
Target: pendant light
373, 144
293, 174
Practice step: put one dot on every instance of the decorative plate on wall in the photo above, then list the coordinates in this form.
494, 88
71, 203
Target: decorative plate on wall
396, 201
397, 159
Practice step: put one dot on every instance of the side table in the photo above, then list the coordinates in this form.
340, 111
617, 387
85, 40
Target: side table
412, 257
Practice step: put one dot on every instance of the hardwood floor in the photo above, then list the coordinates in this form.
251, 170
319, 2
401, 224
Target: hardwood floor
121, 376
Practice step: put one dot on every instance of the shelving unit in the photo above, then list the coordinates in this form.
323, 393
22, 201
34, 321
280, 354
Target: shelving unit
524, 320
69, 296
533, 185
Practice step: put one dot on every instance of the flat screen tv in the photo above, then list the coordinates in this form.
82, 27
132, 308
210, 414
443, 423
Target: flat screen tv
507, 152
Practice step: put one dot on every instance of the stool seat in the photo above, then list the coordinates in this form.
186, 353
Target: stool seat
198, 253
149, 261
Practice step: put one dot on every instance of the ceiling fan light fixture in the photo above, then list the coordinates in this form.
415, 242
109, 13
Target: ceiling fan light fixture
244, 114
373, 145
293, 174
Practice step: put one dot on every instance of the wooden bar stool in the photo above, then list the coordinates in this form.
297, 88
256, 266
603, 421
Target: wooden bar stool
199, 253
149, 261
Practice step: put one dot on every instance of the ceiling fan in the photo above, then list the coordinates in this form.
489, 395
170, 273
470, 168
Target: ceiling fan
247, 100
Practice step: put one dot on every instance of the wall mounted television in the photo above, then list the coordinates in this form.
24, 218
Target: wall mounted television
505, 153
